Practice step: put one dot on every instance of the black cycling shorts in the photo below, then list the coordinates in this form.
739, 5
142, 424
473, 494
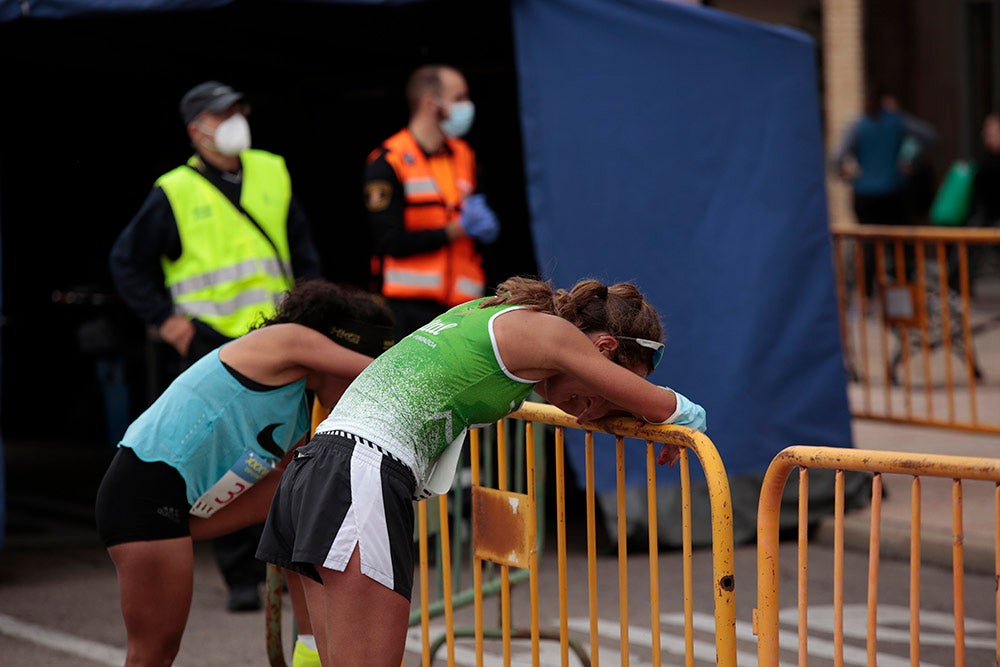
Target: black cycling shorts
139, 501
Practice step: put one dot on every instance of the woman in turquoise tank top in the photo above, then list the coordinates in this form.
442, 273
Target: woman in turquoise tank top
342, 515
205, 458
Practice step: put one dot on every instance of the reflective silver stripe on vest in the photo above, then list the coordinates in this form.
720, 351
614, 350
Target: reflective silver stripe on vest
412, 278
468, 286
221, 309
249, 267
419, 186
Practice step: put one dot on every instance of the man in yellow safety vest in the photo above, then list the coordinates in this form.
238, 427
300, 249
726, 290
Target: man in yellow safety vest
217, 242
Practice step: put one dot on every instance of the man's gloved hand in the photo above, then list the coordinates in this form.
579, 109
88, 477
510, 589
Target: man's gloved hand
478, 220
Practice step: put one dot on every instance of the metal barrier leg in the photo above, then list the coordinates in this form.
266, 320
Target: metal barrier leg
507, 541
275, 586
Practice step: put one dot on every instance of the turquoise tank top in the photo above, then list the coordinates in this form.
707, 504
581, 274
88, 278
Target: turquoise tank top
207, 421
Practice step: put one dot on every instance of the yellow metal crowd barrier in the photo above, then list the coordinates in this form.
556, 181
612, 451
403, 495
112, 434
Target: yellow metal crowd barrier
766, 615
444, 526
504, 530
507, 546
911, 345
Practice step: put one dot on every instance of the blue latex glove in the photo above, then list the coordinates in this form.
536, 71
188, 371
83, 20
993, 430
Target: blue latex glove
687, 413
478, 220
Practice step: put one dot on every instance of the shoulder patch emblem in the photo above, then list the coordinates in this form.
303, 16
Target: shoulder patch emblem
377, 195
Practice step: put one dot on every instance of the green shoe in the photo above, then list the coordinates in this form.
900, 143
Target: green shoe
303, 656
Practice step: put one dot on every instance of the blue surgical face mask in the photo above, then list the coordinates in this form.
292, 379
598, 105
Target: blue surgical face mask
459, 120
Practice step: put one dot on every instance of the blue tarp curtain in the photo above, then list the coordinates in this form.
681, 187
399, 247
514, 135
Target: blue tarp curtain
680, 148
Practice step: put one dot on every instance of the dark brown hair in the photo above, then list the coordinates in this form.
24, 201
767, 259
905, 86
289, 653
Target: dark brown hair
620, 309
347, 315
875, 94
423, 80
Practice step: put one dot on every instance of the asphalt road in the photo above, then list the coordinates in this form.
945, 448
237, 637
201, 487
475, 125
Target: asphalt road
59, 597
59, 608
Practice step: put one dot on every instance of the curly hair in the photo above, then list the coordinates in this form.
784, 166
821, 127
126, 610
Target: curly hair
620, 309
347, 315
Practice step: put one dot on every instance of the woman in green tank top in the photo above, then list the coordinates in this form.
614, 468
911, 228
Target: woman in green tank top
586, 350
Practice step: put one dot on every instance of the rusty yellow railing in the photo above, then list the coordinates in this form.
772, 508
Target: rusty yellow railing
456, 584
910, 346
879, 463
505, 533
507, 511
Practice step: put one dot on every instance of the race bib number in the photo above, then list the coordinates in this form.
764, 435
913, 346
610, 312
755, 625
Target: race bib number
247, 471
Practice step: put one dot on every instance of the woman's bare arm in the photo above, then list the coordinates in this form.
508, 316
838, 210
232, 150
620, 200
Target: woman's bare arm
283, 353
536, 346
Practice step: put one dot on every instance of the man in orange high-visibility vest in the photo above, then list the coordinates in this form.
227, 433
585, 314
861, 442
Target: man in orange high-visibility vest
425, 215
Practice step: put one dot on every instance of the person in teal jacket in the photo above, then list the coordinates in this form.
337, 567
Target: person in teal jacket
875, 154
204, 459
342, 516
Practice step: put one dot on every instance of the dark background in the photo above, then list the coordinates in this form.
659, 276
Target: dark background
89, 118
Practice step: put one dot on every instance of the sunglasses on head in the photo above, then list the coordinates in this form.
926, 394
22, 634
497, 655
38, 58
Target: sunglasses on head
656, 346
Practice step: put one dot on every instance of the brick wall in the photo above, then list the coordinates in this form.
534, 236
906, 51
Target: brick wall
843, 77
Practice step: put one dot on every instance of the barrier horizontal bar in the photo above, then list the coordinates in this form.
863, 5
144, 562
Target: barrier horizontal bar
920, 233
860, 460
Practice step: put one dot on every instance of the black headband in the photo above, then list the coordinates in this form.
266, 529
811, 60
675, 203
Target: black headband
364, 337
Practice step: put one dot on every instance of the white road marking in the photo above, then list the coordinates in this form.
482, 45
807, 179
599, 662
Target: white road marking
703, 651
820, 646
893, 625
788, 641
61, 641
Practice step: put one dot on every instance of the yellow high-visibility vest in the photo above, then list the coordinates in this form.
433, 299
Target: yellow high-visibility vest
228, 275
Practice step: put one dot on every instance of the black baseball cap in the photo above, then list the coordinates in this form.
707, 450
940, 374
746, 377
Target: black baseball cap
208, 96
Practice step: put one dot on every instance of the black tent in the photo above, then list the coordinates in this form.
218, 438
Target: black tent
90, 115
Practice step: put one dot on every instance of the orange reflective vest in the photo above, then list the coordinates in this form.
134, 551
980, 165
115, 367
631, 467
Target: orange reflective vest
434, 189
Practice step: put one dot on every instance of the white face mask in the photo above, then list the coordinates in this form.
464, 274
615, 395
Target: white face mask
232, 136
